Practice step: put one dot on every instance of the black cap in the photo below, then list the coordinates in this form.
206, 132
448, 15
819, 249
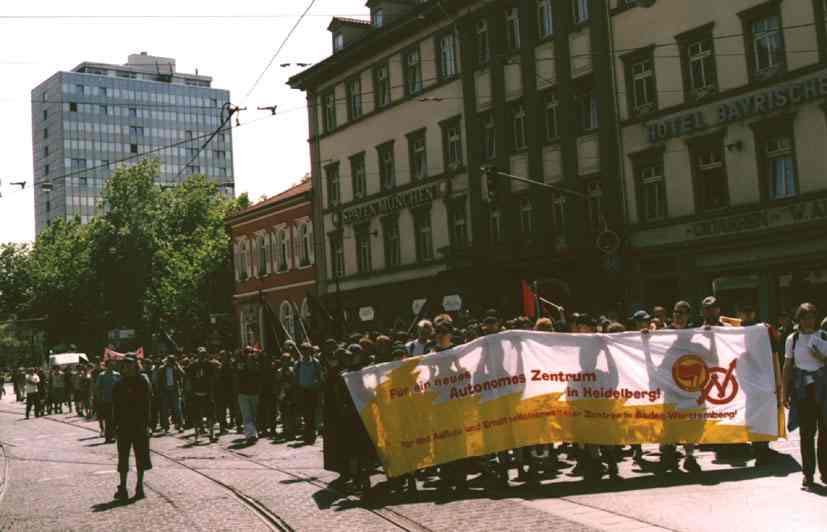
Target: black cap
710, 302
641, 315
491, 316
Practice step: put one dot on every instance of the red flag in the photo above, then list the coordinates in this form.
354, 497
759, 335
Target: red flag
529, 300
139, 352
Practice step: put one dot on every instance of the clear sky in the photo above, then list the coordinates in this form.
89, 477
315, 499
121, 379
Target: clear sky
270, 155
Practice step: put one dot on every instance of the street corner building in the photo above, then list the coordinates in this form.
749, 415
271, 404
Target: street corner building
675, 147
403, 116
274, 264
88, 120
723, 141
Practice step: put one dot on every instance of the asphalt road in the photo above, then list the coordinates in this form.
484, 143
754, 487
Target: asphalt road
56, 474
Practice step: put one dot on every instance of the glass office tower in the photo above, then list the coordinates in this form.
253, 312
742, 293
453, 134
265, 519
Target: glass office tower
85, 121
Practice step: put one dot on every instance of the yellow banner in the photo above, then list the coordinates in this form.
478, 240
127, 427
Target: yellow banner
521, 388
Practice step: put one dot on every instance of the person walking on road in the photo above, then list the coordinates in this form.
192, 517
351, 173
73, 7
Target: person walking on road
103, 387
32, 381
131, 407
249, 384
308, 384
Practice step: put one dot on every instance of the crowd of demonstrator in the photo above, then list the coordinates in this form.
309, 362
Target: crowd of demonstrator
300, 391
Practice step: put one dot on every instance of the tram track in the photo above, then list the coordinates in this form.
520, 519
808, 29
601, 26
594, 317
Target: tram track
269, 518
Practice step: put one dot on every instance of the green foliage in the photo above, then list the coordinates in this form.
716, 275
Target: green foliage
152, 260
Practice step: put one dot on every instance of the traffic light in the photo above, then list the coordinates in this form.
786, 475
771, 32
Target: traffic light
491, 180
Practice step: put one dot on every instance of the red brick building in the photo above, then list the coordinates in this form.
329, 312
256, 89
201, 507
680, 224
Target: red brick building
273, 256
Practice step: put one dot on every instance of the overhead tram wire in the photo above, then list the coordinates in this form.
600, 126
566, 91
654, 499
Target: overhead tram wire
278, 51
147, 153
231, 110
174, 17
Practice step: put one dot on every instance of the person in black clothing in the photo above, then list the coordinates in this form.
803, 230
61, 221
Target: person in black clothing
202, 374
334, 431
358, 448
131, 406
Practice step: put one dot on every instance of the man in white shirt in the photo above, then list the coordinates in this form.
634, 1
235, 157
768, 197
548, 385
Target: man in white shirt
805, 391
424, 339
32, 396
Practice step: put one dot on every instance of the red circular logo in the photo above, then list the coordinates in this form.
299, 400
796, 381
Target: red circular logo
690, 373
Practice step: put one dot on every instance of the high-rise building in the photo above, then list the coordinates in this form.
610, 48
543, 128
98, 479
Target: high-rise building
87, 120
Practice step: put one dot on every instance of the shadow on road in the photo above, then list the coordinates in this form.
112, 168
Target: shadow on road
106, 506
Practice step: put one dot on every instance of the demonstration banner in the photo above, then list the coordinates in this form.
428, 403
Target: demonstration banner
521, 388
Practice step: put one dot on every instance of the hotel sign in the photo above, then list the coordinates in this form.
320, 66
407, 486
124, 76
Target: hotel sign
756, 104
390, 204
806, 211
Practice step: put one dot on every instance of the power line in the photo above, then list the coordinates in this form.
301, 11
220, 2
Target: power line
278, 51
230, 111
175, 17
149, 152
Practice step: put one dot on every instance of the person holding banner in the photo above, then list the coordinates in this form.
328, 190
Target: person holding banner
104, 384
805, 392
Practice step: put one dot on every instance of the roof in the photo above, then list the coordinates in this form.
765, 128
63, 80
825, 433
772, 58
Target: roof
292, 192
345, 20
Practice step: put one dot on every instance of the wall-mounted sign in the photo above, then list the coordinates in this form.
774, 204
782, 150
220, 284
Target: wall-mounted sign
389, 204
452, 303
417, 304
366, 314
806, 211
754, 104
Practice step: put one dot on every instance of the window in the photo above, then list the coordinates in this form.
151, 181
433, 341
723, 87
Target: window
594, 205
282, 249
136, 131
698, 58
45, 169
518, 127
777, 146
495, 224
580, 10
424, 238
287, 317
483, 43
710, 173
73, 107
417, 154
640, 82
263, 255
45, 151
767, 48
512, 28
363, 255
44, 97
78, 164
46, 114
544, 20
329, 111
338, 41
243, 270
378, 17
79, 89
392, 242
558, 212
219, 155
45, 132
357, 173
526, 216
651, 189
387, 166
133, 148
381, 85
413, 72
305, 244
452, 143
459, 224
354, 98
133, 113
447, 56
337, 254
587, 110
552, 106
103, 109
333, 191
489, 137
187, 135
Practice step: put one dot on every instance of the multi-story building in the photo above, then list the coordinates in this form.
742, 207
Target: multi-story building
406, 112
722, 109
87, 120
274, 264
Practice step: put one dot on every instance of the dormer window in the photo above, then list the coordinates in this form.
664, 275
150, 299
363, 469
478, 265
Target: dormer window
378, 17
338, 41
